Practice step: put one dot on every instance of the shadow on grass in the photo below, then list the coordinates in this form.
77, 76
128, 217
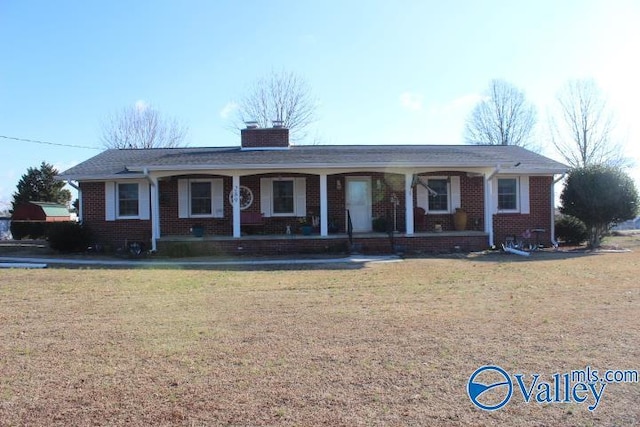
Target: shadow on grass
544, 255
502, 256
337, 266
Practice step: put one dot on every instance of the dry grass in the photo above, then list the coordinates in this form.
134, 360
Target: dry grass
385, 344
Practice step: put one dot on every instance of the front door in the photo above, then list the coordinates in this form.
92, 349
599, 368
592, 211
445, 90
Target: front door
359, 202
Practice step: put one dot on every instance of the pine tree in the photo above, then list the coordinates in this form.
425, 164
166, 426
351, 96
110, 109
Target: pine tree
40, 185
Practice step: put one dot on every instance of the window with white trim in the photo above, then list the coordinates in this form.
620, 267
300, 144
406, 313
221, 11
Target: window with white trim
508, 194
283, 197
128, 200
200, 200
439, 194
439, 202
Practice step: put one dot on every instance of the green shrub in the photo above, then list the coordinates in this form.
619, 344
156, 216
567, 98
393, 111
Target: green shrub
68, 236
570, 229
26, 229
379, 225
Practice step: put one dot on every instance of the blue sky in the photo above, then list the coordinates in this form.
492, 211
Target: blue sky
392, 72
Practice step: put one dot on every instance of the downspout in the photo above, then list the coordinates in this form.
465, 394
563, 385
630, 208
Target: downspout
77, 187
552, 228
488, 216
154, 209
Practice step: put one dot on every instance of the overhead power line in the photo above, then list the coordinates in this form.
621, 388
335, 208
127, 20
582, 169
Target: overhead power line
35, 141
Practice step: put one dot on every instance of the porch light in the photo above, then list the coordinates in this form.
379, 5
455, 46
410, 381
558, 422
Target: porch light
338, 185
378, 184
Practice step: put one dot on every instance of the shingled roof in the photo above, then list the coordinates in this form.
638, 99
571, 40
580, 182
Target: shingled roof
115, 163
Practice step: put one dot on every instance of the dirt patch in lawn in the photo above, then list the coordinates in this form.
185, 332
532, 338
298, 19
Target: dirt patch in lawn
389, 344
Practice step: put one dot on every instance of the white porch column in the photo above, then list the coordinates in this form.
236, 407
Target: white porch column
324, 206
155, 212
236, 205
80, 209
408, 202
488, 208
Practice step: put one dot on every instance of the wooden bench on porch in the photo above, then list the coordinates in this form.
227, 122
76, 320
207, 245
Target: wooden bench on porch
253, 220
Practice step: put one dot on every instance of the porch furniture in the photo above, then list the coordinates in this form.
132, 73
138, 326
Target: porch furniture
251, 219
419, 219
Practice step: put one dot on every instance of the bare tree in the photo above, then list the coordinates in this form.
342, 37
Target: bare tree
582, 130
280, 96
142, 126
504, 117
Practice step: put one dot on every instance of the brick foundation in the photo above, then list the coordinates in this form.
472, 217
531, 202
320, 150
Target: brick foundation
280, 245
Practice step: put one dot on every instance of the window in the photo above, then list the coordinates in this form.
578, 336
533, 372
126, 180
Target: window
128, 200
283, 196
439, 202
507, 194
201, 198
283, 200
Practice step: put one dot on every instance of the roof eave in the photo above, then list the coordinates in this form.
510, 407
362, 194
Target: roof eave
97, 177
306, 166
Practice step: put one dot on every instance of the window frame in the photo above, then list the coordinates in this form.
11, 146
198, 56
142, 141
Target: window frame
448, 187
516, 208
211, 197
199, 181
292, 213
118, 200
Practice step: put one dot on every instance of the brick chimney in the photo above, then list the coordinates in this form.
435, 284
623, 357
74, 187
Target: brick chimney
253, 137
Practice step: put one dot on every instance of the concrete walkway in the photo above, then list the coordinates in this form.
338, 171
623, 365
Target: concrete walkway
24, 262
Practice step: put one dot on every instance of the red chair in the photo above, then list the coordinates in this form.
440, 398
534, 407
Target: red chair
419, 219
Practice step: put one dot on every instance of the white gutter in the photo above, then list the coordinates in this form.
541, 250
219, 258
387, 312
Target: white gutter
306, 166
552, 233
77, 187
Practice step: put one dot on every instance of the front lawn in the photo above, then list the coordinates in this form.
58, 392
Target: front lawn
380, 344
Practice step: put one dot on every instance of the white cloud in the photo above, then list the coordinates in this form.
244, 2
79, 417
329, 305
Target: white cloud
141, 105
411, 101
228, 109
460, 105
465, 102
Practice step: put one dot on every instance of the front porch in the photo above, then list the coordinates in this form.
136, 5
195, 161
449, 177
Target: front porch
284, 244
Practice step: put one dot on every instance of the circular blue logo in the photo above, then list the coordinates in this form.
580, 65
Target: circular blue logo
490, 388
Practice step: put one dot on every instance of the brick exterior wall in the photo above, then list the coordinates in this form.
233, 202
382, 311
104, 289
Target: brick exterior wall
471, 201
110, 233
115, 233
539, 216
264, 138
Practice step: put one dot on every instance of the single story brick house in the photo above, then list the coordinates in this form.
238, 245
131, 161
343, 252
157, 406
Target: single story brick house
254, 198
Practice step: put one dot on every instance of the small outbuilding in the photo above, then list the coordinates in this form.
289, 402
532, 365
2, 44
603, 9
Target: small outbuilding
41, 212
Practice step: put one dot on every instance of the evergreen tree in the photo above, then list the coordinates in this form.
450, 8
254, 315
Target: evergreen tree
40, 185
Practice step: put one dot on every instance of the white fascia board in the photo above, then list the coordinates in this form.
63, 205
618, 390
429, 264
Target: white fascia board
532, 172
309, 171
109, 177
318, 167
